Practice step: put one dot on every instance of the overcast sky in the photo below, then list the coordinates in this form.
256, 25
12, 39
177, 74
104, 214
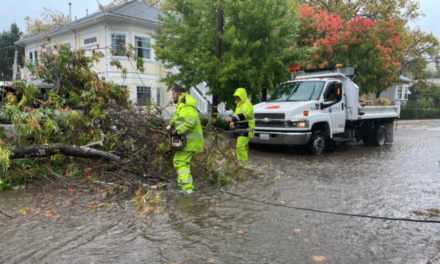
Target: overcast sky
16, 10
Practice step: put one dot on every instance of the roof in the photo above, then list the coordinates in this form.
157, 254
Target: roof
133, 9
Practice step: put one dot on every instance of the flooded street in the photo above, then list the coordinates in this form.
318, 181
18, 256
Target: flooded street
213, 227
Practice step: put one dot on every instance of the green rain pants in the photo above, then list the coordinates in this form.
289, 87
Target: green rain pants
242, 150
182, 161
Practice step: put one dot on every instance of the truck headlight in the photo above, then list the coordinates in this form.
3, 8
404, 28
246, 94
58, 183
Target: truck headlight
301, 124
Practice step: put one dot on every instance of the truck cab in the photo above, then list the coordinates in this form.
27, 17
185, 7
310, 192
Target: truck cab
318, 109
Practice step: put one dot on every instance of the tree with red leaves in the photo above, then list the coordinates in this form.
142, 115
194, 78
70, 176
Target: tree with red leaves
374, 48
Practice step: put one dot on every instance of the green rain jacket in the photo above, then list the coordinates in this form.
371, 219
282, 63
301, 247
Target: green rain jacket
244, 112
186, 121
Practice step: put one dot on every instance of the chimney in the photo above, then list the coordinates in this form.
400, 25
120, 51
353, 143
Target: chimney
70, 12
87, 12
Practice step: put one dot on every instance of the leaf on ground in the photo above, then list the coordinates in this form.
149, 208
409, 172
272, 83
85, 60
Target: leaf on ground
71, 191
27, 210
211, 260
296, 230
216, 227
278, 177
156, 199
145, 211
318, 258
49, 213
306, 240
241, 232
179, 262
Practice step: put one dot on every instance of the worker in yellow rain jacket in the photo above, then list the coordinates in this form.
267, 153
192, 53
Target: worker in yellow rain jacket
186, 122
243, 119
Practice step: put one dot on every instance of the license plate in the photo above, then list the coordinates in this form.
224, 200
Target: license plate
264, 136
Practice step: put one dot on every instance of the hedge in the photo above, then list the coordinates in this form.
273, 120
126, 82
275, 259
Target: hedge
420, 113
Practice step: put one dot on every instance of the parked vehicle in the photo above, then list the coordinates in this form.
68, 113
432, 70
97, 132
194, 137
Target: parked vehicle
319, 109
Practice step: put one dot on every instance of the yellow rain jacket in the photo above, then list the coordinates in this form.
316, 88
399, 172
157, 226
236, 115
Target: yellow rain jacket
186, 121
244, 113
243, 119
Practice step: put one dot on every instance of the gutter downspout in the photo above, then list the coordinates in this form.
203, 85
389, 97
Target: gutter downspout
74, 37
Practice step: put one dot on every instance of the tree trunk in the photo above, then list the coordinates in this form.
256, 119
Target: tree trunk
218, 54
36, 151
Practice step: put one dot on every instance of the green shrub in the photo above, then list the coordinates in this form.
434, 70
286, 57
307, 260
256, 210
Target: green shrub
420, 113
421, 103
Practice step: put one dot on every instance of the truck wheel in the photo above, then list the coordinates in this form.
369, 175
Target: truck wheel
378, 138
316, 144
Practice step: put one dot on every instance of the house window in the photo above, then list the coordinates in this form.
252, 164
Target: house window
117, 40
142, 47
90, 40
143, 95
158, 96
399, 92
33, 57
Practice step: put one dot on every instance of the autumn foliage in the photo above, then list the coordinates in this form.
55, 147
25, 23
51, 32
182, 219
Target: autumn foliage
374, 48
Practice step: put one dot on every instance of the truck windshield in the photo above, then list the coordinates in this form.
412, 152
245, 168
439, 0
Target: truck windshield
298, 91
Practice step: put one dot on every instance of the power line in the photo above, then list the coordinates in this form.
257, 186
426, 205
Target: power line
9, 47
333, 213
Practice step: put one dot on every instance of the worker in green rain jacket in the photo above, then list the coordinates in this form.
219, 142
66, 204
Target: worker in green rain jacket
186, 122
243, 119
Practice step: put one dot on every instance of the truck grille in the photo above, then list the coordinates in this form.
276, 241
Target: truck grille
269, 124
269, 115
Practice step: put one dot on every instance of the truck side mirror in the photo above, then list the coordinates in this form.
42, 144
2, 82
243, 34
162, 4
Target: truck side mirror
321, 106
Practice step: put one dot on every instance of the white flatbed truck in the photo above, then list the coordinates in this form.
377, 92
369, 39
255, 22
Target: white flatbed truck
320, 108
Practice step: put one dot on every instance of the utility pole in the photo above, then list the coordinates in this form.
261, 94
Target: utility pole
14, 68
218, 53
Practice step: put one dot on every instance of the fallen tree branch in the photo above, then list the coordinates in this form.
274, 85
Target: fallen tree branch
5, 214
36, 151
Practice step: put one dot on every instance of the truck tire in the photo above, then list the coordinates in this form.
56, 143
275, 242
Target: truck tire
379, 136
316, 144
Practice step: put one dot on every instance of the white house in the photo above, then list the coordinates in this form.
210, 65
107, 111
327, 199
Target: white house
397, 92
129, 23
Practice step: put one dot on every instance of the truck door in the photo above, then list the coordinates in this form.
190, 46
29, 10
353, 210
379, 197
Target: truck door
335, 106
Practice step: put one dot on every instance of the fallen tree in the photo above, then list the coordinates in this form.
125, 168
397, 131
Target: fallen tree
109, 140
38, 151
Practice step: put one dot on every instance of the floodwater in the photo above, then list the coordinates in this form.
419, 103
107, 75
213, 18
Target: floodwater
213, 227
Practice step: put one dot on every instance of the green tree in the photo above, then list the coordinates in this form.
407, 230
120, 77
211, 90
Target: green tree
257, 44
7, 52
421, 50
